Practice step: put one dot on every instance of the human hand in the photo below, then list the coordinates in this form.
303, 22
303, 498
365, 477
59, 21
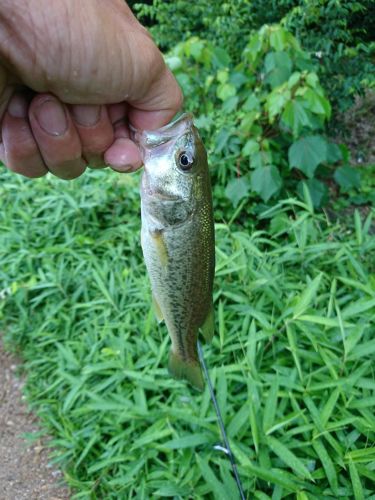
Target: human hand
73, 76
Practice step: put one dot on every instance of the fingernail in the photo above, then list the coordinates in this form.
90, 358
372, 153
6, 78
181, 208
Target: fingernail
122, 168
86, 115
51, 116
17, 106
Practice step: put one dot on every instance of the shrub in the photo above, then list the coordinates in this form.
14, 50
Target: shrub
337, 33
263, 119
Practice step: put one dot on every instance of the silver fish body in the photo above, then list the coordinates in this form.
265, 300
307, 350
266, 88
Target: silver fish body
178, 238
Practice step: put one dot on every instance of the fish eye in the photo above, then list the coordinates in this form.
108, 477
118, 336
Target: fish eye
185, 161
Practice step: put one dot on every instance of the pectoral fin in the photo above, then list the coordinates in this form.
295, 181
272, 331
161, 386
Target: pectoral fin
208, 327
157, 310
160, 246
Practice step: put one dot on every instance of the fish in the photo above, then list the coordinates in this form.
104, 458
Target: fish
178, 240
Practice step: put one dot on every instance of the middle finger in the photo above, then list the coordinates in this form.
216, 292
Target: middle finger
56, 136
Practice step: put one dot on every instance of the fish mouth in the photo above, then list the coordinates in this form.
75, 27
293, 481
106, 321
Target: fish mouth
149, 139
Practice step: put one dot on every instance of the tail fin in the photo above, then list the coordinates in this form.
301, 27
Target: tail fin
188, 370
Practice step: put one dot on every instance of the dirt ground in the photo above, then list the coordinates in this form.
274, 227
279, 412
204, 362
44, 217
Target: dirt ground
356, 130
24, 469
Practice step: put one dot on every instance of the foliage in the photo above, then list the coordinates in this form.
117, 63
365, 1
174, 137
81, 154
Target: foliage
171, 22
262, 101
263, 119
351, 193
337, 33
292, 360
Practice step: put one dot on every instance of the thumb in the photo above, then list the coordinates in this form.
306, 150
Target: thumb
162, 100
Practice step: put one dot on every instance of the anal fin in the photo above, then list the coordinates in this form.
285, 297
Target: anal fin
208, 327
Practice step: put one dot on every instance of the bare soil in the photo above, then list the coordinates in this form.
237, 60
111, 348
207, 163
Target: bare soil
357, 130
25, 472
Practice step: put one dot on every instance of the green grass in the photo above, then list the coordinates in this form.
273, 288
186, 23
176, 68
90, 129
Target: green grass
292, 361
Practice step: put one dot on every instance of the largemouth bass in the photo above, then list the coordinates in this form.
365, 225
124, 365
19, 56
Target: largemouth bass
178, 239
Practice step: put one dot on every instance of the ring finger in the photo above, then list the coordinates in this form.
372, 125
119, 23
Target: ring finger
18, 149
95, 131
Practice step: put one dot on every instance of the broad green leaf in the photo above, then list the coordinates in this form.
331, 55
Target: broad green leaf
251, 104
223, 75
312, 79
230, 104
317, 189
237, 78
334, 153
260, 159
276, 101
347, 177
295, 117
278, 38
247, 122
266, 181
316, 103
254, 47
237, 189
221, 139
251, 146
173, 62
307, 153
225, 91
220, 57
277, 67
294, 79
194, 47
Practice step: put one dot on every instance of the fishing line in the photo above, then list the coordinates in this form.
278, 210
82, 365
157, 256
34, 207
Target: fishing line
226, 448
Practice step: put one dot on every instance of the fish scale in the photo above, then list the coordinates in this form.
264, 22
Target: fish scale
178, 238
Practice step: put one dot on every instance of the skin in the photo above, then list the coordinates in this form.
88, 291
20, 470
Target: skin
73, 76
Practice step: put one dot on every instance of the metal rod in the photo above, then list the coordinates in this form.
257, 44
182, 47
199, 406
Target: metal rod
227, 448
